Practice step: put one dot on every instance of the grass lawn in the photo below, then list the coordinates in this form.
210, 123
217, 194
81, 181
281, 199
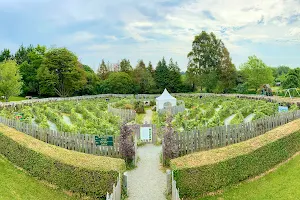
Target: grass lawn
16, 184
14, 99
283, 183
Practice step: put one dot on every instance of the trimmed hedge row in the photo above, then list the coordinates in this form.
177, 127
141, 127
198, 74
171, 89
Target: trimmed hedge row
197, 181
92, 181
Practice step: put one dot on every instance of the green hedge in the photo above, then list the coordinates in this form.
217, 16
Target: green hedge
194, 182
80, 180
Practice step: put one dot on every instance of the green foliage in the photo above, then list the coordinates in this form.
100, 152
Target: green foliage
283, 183
5, 55
161, 74
196, 181
256, 72
103, 71
125, 66
143, 78
292, 79
60, 73
12, 177
212, 111
118, 83
210, 64
94, 183
139, 107
238, 118
10, 79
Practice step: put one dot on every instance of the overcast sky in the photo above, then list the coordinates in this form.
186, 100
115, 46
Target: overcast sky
151, 29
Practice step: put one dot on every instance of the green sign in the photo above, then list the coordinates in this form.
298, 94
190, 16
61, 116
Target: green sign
104, 141
19, 116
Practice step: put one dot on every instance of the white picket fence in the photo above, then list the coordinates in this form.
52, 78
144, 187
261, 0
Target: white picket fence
175, 190
116, 194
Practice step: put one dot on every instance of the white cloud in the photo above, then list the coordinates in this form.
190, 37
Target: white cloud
159, 29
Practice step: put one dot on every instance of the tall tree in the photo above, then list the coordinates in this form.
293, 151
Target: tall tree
22, 54
125, 66
150, 68
61, 72
31, 59
5, 55
143, 78
92, 81
103, 71
118, 83
174, 77
256, 72
292, 79
161, 75
10, 79
205, 60
227, 73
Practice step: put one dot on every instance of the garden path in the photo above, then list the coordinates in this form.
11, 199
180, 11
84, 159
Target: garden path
148, 117
147, 181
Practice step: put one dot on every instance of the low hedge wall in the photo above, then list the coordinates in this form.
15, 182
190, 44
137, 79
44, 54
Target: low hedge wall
80, 173
203, 172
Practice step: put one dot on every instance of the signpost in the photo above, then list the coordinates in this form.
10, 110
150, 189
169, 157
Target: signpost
283, 109
104, 140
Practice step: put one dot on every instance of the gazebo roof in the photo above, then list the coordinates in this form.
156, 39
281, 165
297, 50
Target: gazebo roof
165, 96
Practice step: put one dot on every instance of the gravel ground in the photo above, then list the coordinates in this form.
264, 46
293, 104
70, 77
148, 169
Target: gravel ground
147, 181
148, 117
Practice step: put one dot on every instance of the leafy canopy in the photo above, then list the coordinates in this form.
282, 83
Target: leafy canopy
10, 79
256, 72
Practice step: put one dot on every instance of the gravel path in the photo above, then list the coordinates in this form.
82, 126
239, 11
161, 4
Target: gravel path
228, 119
249, 118
148, 117
147, 181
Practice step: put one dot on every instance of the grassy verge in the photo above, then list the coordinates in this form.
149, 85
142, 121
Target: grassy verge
77, 172
16, 184
14, 99
283, 183
204, 172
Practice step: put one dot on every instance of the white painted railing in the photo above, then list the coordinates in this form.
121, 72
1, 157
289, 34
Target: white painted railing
116, 194
175, 190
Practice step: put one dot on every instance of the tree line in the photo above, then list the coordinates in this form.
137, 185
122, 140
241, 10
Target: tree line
45, 72
38, 71
210, 68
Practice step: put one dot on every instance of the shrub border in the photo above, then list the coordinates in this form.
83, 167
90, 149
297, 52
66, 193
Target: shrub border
197, 181
83, 181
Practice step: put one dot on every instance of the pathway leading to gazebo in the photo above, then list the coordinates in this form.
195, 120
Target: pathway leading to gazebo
147, 181
148, 117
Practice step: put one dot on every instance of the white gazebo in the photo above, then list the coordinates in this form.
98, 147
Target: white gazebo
165, 100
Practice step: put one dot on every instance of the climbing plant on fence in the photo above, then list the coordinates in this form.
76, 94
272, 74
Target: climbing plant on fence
170, 147
127, 149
